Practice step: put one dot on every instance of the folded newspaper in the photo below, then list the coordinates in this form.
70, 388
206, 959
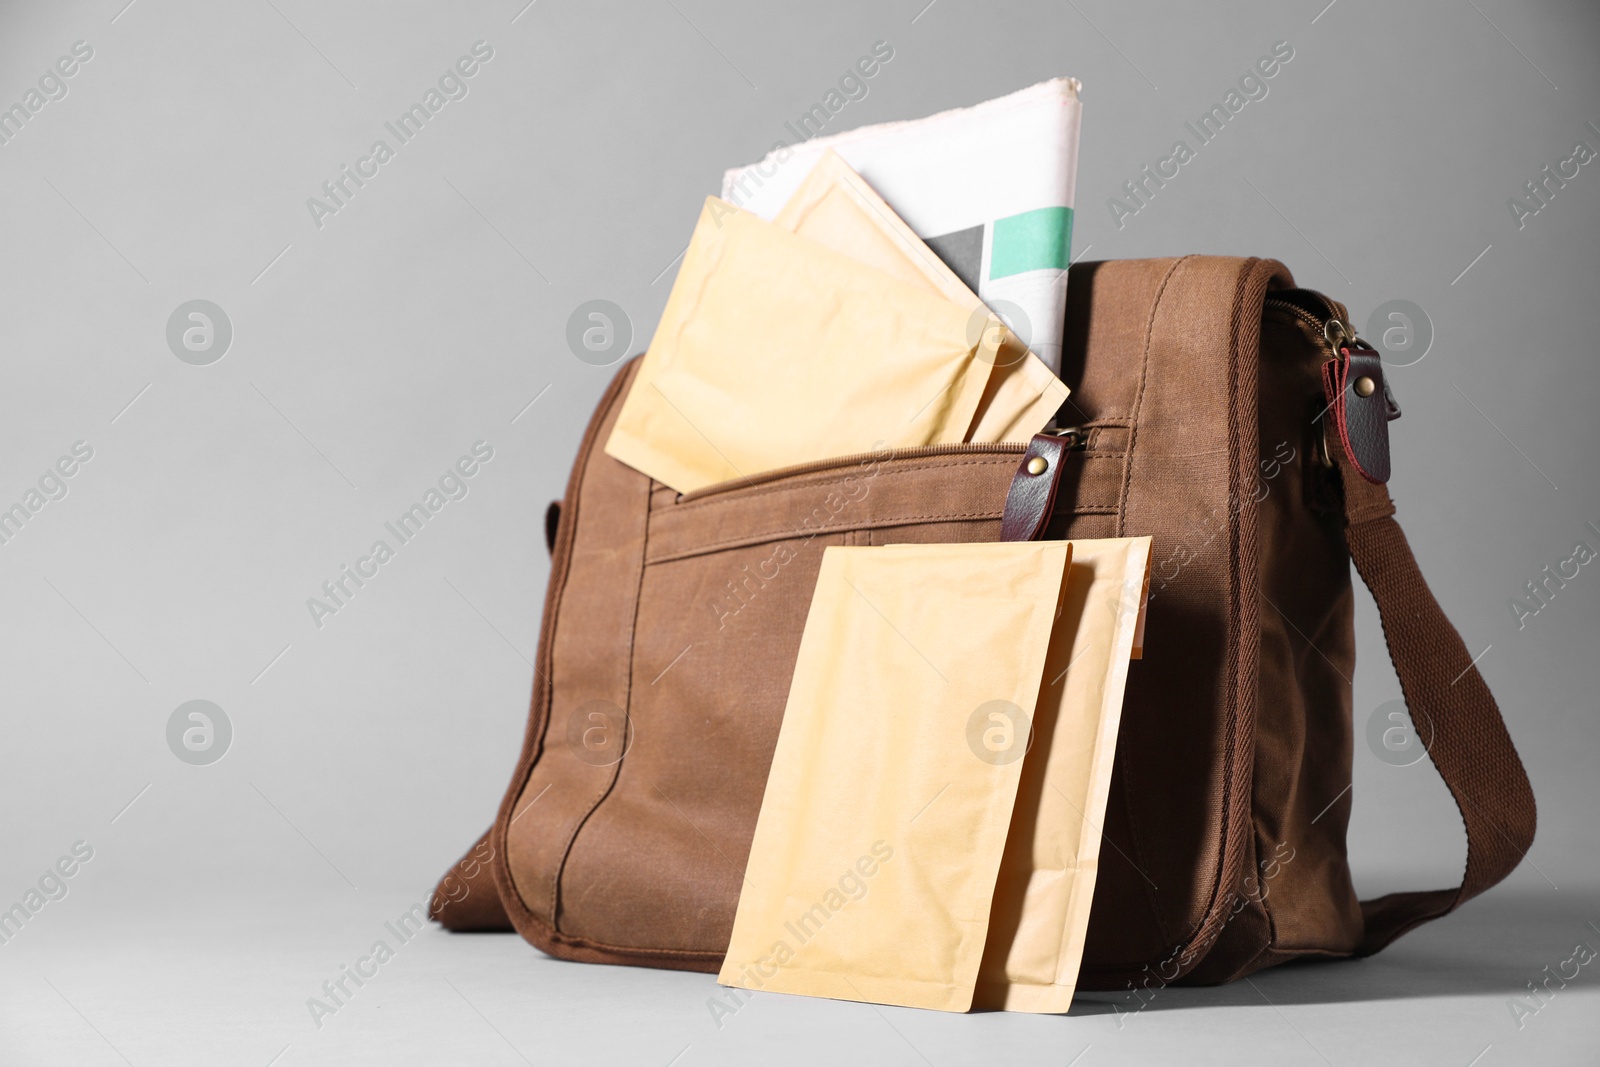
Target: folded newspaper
989, 188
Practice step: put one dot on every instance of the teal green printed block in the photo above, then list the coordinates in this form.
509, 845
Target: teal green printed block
1033, 240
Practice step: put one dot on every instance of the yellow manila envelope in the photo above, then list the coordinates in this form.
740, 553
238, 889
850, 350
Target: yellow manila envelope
774, 350
876, 852
834, 206
857, 887
1047, 874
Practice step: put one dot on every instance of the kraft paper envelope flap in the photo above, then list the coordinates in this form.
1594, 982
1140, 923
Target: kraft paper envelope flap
873, 866
1047, 874
1021, 397
836, 207
774, 350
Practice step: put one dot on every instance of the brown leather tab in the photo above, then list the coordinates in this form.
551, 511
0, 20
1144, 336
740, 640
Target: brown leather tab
1361, 405
1032, 496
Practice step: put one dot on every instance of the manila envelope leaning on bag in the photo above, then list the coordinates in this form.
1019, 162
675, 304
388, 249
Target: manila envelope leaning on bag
1052, 856
890, 862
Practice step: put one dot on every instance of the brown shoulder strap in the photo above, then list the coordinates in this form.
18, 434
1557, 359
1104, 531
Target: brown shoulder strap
1460, 725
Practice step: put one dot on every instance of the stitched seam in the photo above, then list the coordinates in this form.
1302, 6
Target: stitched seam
534, 736
1255, 569
1122, 521
1138, 396
1239, 695
760, 537
655, 953
774, 532
572, 941
1210, 922
823, 477
1242, 532
740, 496
627, 706
1233, 639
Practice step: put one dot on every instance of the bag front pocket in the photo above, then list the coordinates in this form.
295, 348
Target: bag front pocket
658, 861
944, 483
653, 856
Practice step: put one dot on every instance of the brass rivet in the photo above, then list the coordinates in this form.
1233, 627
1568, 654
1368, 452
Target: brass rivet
1365, 386
1038, 465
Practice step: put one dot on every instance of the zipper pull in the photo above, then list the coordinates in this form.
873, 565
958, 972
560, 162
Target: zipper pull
1073, 438
1341, 335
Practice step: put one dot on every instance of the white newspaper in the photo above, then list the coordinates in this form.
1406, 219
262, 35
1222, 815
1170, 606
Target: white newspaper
989, 188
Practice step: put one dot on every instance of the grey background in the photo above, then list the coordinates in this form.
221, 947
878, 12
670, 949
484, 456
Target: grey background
369, 354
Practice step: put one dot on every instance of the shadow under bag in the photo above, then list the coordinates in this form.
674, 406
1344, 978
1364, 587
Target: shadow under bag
1215, 407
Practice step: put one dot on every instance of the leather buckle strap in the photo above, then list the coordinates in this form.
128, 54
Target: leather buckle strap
1032, 497
1361, 406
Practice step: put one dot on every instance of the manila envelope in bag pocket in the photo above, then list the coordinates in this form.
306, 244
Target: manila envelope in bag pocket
835, 207
774, 350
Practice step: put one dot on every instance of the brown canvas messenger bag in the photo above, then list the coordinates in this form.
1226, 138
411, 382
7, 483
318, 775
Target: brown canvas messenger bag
1217, 408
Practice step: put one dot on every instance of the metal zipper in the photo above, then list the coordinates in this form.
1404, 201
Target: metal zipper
855, 459
1335, 332
1077, 438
